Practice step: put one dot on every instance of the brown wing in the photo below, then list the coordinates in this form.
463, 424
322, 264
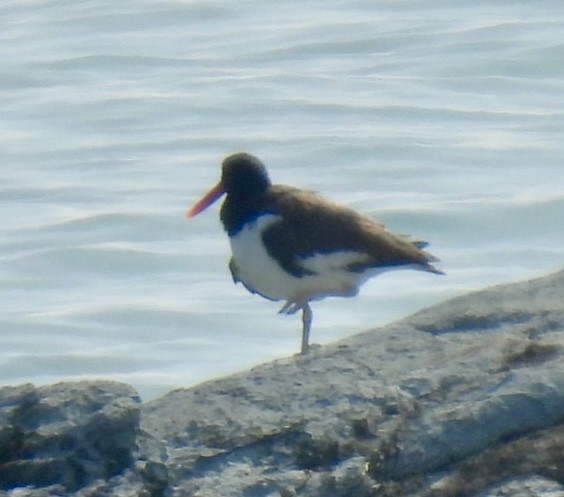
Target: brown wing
311, 225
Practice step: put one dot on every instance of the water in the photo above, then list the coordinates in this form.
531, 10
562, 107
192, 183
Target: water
442, 119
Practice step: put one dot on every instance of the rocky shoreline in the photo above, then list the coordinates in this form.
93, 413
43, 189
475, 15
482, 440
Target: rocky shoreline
462, 399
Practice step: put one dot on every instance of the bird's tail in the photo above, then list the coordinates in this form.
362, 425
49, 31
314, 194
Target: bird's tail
432, 269
429, 258
420, 244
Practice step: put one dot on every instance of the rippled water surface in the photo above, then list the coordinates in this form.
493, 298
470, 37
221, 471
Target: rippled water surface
442, 119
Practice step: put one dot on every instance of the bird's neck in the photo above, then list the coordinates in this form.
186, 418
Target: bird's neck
236, 211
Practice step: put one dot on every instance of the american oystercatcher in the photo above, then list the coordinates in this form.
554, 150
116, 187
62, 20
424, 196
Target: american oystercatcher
292, 245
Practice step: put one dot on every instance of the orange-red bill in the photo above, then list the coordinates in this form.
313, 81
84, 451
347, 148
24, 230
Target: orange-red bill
208, 199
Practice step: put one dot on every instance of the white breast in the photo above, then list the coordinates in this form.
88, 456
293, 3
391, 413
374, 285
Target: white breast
260, 272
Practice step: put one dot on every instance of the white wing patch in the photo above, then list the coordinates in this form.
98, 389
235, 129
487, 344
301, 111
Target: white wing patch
331, 262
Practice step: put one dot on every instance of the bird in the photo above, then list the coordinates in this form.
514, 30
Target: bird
293, 245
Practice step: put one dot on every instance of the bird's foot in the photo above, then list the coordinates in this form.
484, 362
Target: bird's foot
309, 350
291, 307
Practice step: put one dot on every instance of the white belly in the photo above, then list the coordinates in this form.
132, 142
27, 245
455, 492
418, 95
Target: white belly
260, 272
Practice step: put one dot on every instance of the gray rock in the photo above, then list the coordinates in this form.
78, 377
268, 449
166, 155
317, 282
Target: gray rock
462, 399
535, 486
401, 404
68, 437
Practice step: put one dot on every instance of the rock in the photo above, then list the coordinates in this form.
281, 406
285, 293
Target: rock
512, 463
402, 405
535, 486
465, 399
69, 436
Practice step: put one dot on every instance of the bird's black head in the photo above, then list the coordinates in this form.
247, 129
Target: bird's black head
244, 175
246, 182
